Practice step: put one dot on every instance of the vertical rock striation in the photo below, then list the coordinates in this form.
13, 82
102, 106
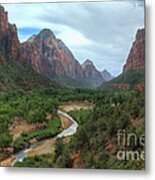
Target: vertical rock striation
136, 58
48, 55
9, 42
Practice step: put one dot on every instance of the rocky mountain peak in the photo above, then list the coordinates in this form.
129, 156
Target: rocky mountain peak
9, 42
106, 75
140, 34
88, 62
3, 20
89, 70
46, 33
136, 57
50, 56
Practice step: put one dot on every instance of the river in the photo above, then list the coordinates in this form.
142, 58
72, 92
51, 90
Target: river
66, 132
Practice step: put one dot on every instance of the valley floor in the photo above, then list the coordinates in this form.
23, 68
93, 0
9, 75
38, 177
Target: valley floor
46, 146
69, 128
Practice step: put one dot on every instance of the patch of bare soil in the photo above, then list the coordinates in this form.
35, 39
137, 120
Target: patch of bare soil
65, 122
7, 162
46, 147
20, 126
69, 106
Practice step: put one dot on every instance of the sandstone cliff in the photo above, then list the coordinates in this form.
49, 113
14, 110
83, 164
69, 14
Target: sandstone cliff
9, 42
136, 58
48, 55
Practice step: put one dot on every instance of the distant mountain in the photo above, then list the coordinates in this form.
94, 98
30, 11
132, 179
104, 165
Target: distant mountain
126, 81
133, 74
89, 70
106, 75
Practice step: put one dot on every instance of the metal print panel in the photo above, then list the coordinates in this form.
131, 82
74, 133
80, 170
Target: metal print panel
72, 85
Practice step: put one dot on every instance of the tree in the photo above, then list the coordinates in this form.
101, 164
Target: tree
36, 116
5, 139
59, 146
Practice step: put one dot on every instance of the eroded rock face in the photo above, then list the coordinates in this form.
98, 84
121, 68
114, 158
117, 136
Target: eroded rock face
9, 42
48, 55
136, 58
90, 71
4, 25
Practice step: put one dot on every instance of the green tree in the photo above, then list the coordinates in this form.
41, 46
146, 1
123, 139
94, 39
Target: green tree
36, 116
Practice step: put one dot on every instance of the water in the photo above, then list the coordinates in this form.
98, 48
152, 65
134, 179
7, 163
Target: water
66, 132
71, 129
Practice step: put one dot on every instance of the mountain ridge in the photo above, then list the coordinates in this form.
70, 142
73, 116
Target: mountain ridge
89, 70
49, 56
106, 75
136, 57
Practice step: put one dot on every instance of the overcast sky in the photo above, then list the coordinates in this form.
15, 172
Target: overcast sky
100, 31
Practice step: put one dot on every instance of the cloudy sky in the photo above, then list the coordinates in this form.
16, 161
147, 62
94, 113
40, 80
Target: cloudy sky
100, 31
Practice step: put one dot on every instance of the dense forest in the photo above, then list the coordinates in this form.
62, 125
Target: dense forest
95, 143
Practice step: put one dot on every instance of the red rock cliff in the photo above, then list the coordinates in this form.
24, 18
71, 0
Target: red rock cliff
9, 42
48, 55
136, 58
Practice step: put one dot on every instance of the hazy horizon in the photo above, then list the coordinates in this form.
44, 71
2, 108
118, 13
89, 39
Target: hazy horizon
100, 31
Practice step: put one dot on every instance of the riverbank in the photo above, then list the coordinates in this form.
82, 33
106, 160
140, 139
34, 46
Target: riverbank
47, 146
69, 126
70, 106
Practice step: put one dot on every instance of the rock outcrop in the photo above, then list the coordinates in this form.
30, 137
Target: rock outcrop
90, 71
136, 58
48, 55
106, 75
9, 42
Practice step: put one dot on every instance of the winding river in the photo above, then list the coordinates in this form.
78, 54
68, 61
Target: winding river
66, 132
